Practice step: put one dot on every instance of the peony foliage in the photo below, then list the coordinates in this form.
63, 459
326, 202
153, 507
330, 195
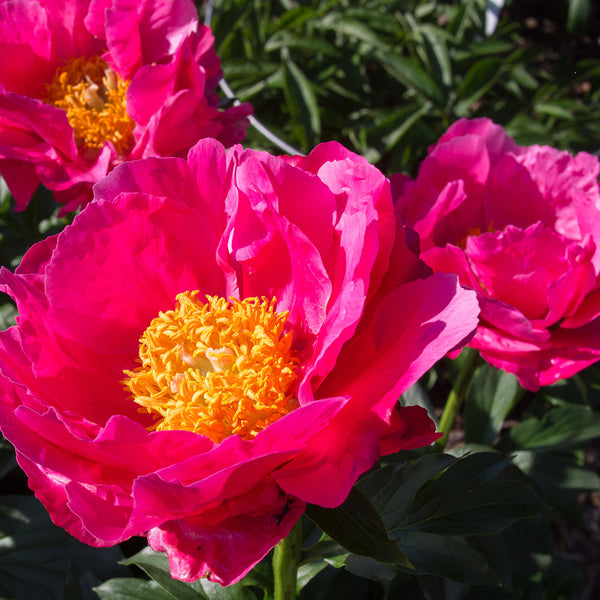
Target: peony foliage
365, 368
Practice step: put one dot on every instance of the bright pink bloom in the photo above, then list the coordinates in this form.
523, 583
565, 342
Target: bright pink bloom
520, 226
366, 320
158, 46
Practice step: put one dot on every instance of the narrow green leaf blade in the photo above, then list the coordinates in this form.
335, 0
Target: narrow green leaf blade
302, 102
579, 15
408, 72
352, 28
477, 81
437, 54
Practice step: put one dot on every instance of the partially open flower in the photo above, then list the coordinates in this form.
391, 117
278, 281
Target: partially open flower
521, 226
86, 85
215, 342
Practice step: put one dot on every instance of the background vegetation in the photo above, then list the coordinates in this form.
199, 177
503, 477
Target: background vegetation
386, 78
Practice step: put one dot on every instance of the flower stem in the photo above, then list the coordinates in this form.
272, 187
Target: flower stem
285, 563
456, 396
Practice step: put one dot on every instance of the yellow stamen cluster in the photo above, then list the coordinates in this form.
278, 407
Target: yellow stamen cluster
219, 369
94, 98
475, 231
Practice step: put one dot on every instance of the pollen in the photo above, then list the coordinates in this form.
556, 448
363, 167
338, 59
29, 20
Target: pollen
219, 368
475, 231
94, 98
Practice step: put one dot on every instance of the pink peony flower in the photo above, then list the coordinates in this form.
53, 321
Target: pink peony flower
215, 342
88, 84
519, 225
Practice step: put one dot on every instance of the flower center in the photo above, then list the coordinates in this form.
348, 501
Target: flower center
219, 369
94, 98
475, 231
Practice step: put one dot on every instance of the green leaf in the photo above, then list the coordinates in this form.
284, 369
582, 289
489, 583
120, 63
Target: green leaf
302, 102
293, 19
482, 48
429, 505
352, 28
497, 555
215, 591
578, 17
307, 572
357, 526
7, 457
131, 588
479, 494
553, 109
79, 584
156, 565
435, 587
36, 556
489, 399
447, 556
560, 428
4, 192
370, 568
312, 46
437, 54
336, 584
403, 120
408, 72
520, 74
477, 81
8, 312
556, 471
567, 392
392, 489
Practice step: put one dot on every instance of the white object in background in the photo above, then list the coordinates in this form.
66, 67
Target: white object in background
492, 13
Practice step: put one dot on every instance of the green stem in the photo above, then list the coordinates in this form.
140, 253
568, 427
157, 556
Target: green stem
285, 563
456, 396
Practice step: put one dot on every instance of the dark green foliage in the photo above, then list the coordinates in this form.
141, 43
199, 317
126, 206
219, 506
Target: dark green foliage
385, 78
40, 560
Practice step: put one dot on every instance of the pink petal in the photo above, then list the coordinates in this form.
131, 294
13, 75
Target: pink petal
496, 141
196, 549
21, 179
152, 237
25, 47
145, 32
373, 369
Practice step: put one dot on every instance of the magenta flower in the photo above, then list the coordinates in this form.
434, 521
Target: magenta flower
519, 225
214, 343
86, 85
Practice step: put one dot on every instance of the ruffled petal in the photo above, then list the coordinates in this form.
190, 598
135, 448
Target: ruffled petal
154, 239
144, 32
25, 47
517, 225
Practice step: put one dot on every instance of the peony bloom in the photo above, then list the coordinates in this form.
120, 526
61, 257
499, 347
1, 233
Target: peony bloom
88, 84
214, 343
519, 225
